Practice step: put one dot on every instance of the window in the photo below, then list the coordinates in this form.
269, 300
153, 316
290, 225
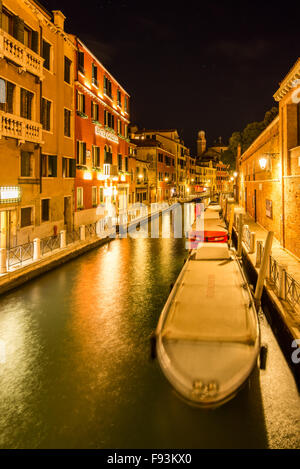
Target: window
126, 104
46, 54
126, 163
45, 210
46, 114
26, 216
67, 123
26, 164
94, 75
126, 130
80, 102
96, 156
107, 87
101, 195
8, 106
80, 57
49, 166
94, 196
81, 153
95, 111
120, 165
67, 72
160, 157
119, 127
119, 98
107, 155
106, 169
7, 22
109, 119
68, 167
27, 37
26, 104
79, 197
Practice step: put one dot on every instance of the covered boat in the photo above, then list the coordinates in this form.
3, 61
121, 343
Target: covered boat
214, 230
207, 338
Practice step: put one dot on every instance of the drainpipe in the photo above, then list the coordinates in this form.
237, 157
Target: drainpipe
282, 183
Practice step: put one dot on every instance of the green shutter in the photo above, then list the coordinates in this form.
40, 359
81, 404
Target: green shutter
35, 41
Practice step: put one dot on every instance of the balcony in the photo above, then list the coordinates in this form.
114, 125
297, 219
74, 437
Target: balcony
12, 49
19, 128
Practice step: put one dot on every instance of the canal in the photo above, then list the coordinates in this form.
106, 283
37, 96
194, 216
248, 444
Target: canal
77, 371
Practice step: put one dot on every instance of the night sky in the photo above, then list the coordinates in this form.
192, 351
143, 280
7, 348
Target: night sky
191, 65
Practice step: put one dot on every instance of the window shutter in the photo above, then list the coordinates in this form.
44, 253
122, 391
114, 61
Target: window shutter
72, 168
54, 162
113, 121
77, 156
84, 152
35, 41
18, 28
83, 103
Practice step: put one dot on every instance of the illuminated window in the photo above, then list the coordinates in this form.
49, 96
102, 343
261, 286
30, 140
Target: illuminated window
79, 197
81, 153
8, 106
96, 156
94, 196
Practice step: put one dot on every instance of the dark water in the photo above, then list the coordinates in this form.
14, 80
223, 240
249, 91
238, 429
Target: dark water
78, 374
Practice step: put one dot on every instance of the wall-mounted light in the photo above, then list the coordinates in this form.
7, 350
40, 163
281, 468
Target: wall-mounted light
87, 175
235, 174
263, 162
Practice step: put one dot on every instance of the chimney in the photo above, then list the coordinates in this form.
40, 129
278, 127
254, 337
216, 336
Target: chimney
59, 19
201, 143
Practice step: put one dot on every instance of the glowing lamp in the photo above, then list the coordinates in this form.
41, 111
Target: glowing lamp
87, 175
100, 177
263, 163
166, 179
235, 174
123, 178
140, 176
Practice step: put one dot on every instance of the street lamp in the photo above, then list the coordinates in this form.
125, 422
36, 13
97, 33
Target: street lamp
263, 163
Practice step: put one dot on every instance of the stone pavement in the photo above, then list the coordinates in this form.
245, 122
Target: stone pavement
290, 315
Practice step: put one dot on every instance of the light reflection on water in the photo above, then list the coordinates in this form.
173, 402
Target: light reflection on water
78, 372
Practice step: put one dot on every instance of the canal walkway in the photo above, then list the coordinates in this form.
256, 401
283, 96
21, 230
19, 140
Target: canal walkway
282, 286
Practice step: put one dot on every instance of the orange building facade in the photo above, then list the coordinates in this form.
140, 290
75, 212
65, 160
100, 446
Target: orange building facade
104, 167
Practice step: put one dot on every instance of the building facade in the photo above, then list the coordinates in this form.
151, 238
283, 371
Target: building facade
269, 170
103, 172
36, 199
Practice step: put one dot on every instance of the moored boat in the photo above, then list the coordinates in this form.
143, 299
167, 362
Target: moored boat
207, 337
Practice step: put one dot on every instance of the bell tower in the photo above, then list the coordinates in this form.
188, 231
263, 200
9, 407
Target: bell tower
201, 143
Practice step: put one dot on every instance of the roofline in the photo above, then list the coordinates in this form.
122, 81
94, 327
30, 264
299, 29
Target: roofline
274, 121
286, 84
98, 61
43, 9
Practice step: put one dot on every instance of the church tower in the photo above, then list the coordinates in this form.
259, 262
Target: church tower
201, 143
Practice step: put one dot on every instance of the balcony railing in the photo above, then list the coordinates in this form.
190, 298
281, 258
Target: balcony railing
20, 128
15, 51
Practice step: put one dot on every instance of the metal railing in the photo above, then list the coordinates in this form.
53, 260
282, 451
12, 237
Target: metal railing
291, 290
19, 254
49, 244
274, 273
72, 236
249, 239
90, 230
